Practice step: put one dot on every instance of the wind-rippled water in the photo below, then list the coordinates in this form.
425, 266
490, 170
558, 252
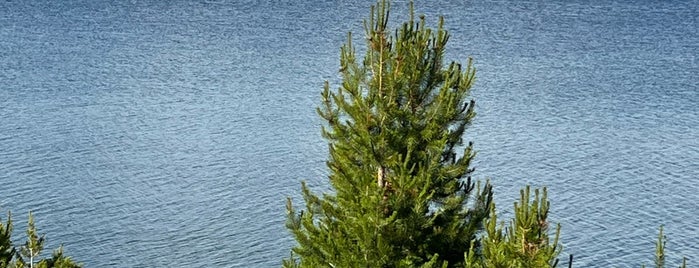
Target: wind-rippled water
150, 133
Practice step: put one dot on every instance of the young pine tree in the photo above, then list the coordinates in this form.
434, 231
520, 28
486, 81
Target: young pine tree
525, 243
27, 254
660, 252
398, 167
34, 244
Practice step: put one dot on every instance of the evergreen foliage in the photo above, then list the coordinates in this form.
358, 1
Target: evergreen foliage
34, 244
660, 251
7, 251
32, 248
525, 243
398, 167
401, 191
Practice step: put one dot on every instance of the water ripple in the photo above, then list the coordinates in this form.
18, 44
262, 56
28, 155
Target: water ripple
153, 133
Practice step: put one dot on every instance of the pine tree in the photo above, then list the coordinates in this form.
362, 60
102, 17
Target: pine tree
394, 126
34, 244
7, 251
660, 252
11, 257
525, 243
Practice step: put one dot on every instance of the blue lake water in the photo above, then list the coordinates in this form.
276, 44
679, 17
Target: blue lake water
159, 133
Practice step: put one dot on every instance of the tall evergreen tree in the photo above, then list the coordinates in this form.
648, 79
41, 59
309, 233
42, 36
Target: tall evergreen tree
398, 166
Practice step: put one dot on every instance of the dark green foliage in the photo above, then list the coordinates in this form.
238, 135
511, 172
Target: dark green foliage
10, 257
58, 260
394, 127
7, 251
525, 243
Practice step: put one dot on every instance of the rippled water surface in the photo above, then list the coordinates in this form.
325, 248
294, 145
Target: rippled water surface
151, 133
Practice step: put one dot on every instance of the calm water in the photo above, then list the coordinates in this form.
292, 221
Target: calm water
149, 134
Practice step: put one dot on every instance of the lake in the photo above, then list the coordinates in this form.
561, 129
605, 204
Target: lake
169, 133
